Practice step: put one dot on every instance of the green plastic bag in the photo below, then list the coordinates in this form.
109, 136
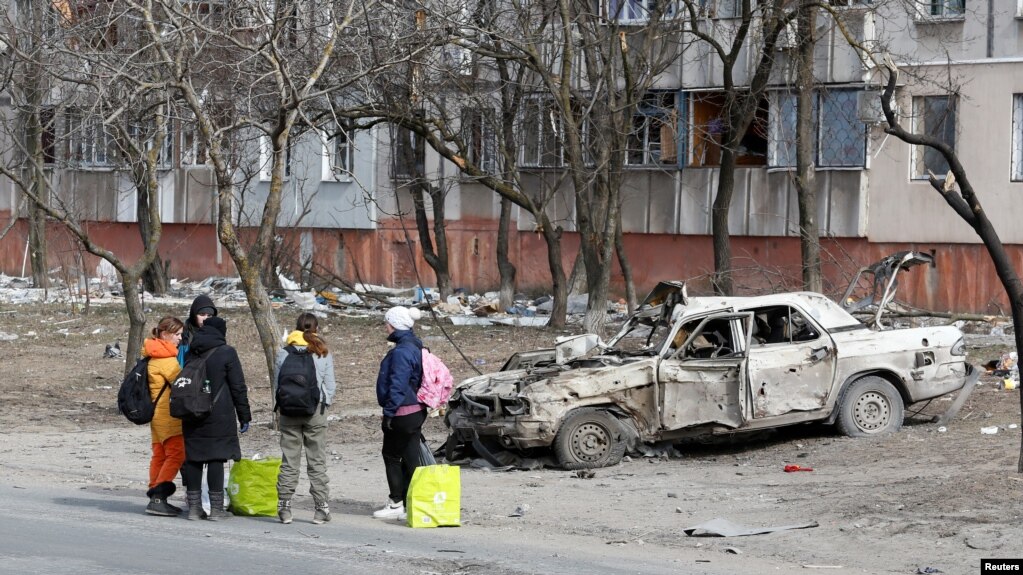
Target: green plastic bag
252, 487
434, 497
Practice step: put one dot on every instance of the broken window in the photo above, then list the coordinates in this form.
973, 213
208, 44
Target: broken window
933, 116
480, 139
840, 137
1017, 137
653, 139
781, 324
541, 133
409, 159
707, 124
714, 339
97, 24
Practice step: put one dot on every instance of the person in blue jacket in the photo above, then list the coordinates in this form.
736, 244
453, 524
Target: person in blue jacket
401, 373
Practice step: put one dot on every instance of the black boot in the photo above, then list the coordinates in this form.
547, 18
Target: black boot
158, 500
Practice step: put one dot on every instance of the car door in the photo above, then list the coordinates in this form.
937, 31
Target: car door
791, 362
701, 381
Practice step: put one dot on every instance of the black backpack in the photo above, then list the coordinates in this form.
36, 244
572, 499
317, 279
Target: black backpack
298, 392
190, 398
133, 398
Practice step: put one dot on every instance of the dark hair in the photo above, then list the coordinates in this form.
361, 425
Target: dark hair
308, 324
168, 324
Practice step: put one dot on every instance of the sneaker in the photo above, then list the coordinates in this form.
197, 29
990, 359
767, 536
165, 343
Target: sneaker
393, 510
403, 517
322, 514
284, 511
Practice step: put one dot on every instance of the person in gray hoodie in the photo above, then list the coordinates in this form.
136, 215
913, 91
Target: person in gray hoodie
298, 427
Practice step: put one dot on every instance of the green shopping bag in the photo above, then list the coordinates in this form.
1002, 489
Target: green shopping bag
434, 497
252, 486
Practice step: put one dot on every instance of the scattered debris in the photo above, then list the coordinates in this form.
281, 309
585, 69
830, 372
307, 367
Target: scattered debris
719, 527
794, 468
993, 430
520, 510
585, 474
927, 570
733, 550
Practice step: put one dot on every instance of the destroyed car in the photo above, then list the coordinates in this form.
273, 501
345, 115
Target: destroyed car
684, 367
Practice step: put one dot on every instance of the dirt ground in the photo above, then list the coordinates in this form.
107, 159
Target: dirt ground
920, 498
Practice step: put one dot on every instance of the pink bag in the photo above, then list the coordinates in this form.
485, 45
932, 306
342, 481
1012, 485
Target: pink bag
435, 389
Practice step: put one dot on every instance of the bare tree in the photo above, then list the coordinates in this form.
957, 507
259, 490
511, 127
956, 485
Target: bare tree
806, 181
760, 24
955, 188
99, 115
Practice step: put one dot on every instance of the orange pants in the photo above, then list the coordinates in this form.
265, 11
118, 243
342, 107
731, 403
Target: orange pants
167, 459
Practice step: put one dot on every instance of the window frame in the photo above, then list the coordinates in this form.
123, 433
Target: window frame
638, 11
1016, 161
540, 130
266, 160
332, 148
939, 10
918, 116
779, 143
479, 135
83, 142
700, 109
398, 166
654, 114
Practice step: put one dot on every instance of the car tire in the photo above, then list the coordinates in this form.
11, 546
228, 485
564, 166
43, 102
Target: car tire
589, 438
870, 407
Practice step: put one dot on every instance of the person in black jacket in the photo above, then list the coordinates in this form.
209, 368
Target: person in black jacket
201, 309
214, 440
401, 373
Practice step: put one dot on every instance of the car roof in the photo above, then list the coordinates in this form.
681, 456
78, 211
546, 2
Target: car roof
826, 312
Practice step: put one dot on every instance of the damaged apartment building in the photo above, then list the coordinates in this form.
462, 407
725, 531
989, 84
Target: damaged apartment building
346, 203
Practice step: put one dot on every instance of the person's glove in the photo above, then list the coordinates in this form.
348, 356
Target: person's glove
244, 427
387, 422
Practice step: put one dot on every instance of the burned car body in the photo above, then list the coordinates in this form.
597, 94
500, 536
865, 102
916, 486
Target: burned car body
686, 367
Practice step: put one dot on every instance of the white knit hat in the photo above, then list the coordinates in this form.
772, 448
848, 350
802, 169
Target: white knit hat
402, 318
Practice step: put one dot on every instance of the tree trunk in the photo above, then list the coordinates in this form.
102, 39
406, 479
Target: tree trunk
806, 186
722, 281
154, 278
136, 319
577, 280
623, 261
559, 290
505, 268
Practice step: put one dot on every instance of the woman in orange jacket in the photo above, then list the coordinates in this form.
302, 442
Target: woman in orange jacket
168, 443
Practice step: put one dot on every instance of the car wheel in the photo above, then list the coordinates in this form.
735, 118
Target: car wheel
588, 439
871, 406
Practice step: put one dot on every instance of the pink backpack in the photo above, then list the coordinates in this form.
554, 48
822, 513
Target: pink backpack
437, 382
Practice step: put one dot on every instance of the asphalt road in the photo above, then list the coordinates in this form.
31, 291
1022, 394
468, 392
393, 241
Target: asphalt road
51, 530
